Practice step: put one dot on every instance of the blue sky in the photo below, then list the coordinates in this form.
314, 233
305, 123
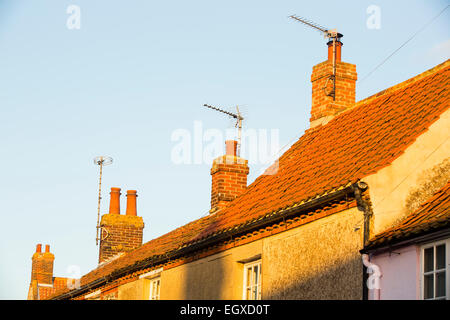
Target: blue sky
135, 72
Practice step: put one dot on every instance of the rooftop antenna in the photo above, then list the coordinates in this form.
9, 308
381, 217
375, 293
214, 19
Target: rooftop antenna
100, 161
238, 124
333, 36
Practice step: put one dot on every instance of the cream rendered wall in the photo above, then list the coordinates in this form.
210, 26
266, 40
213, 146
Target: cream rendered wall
390, 186
219, 276
319, 260
136, 290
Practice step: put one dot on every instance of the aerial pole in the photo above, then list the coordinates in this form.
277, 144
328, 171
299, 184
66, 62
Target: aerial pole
238, 124
333, 36
100, 161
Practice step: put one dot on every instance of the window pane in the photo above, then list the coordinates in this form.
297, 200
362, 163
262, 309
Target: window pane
249, 277
157, 288
255, 275
440, 284
428, 291
255, 293
440, 256
429, 259
249, 294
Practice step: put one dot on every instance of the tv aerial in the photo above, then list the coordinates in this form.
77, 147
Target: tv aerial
100, 161
332, 36
238, 124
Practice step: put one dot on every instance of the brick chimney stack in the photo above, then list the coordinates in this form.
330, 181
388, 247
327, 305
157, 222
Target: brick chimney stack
120, 233
229, 177
324, 107
42, 265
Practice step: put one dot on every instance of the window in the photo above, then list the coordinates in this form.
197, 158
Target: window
155, 285
436, 271
252, 281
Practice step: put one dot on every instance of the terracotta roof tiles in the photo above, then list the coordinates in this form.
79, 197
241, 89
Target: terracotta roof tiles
431, 216
353, 145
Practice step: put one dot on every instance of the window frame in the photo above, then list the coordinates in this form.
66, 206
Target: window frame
153, 281
446, 269
258, 285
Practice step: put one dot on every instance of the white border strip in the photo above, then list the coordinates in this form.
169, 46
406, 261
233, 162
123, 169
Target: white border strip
151, 273
93, 294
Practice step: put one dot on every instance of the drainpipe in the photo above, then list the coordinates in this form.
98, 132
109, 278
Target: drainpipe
358, 189
373, 283
364, 206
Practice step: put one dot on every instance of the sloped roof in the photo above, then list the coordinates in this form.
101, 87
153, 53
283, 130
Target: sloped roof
353, 145
45, 291
431, 216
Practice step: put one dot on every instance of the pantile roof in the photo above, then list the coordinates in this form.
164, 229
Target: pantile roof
431, 216
45, 291
353, 145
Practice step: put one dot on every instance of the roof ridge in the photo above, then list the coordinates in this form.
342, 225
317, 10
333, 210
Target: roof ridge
402, 84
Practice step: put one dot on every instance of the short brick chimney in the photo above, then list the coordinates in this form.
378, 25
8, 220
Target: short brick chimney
329, 98
229, 177
120, 233
42, 265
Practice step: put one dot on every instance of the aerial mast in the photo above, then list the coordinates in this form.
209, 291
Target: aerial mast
333, 36
100, 161
238, 124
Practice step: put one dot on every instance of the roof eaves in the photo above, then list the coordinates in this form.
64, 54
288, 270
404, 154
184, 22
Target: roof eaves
304, 205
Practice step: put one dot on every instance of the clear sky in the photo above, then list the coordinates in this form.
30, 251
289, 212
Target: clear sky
138, 71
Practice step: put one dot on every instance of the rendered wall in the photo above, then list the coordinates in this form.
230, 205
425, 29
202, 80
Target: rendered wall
219, 276
319, 260
390, 187
136, 290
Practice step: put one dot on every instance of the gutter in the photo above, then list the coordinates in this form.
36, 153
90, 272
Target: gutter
83, 289
201, 244
433, 235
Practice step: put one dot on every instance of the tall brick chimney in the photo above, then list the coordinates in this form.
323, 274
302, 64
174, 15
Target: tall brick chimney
324, 105
229, 177
42, 265
120, 233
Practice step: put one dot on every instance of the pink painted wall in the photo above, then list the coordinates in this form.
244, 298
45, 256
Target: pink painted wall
400, 274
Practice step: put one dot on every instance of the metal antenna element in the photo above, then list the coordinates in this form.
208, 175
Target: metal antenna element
100, 161
328, 33
333, 36
238, 124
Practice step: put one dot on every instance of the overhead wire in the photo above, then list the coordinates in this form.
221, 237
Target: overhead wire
412, 37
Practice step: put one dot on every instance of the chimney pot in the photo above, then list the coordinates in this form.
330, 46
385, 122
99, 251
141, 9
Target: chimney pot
114, 204
39, 248
47, 248
231, 147
338, 50
131, 203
